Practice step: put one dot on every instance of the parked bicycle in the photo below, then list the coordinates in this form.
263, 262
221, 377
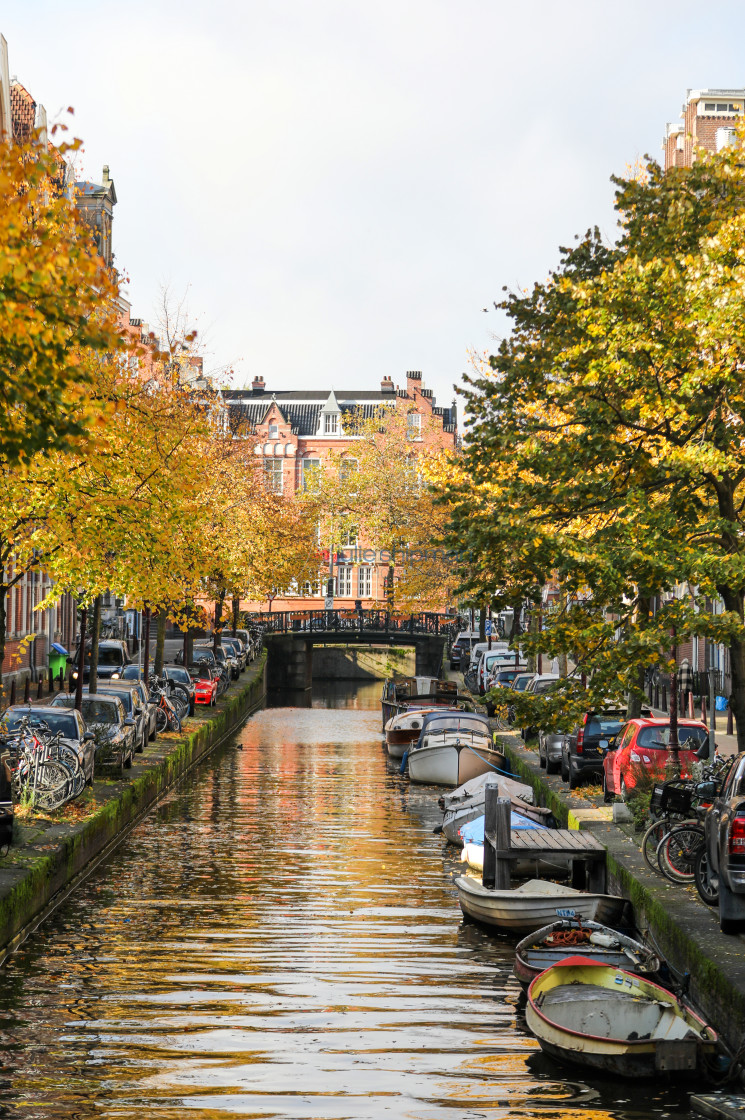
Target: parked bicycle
167, 713
45, 770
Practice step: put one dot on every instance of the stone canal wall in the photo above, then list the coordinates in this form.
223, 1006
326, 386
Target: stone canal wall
362, 663
50, 856
685, 931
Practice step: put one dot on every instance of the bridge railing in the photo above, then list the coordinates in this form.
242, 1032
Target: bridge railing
427, 622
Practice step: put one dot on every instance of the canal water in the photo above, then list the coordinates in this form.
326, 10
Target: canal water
281, 938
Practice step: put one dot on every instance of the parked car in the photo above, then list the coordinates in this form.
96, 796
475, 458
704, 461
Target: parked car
463, 643
113, 729
134, 706
724, 826
540, 682
143, 692
505, 678
205, 683
235, 646
248, 643
498, 663
642, 744
226, 656
581, 750
70, 722
180, 676
499, 655
112, 658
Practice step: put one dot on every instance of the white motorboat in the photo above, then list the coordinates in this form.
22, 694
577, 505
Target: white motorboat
535, 904
403, 729
452, 756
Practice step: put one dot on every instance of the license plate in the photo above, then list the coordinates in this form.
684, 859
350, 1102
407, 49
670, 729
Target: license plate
563, 913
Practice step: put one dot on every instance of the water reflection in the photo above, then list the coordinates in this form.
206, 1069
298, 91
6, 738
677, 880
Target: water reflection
280, 938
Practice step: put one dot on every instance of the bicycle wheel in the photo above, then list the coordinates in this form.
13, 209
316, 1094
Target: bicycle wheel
707, 880
161, 719
678, 850
180, 701
651, 840
54, 782
174, 723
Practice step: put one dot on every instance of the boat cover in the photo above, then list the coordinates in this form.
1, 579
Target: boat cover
473, 832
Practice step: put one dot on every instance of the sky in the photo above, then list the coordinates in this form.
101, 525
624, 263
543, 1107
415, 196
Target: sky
339, 189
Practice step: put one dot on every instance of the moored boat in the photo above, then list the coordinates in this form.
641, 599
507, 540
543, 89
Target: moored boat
403, 729
533, 904
546, 947
452, 756
475, 786
471, 808
612, 1020
399, 693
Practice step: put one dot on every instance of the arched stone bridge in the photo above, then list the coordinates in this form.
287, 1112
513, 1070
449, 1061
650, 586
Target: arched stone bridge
289, 637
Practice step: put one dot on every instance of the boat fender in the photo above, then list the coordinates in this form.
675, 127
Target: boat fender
404, 762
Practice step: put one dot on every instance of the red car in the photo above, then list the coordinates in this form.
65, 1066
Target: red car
642, 744
205, 684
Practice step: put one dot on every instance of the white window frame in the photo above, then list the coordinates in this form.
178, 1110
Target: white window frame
414, 425
344, 581
364, 582
312, 466
330, 424
273, 431
274, 475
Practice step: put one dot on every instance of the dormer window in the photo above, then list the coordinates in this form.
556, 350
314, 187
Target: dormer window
274, 431
413, 425
330, 424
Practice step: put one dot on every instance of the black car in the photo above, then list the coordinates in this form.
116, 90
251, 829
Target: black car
582, 749
460, 651
70, 723
112, 658
114, 731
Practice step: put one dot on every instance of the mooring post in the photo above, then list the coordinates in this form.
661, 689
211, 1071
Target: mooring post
497, 824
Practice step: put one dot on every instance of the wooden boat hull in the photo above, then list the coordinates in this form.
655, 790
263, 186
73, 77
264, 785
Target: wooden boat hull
532, 957
449, 764
611, 1020
519, 910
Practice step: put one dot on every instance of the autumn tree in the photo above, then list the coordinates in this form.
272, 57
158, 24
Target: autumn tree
56, 303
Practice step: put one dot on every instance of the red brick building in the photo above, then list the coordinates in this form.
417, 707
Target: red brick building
294, 433
708, 119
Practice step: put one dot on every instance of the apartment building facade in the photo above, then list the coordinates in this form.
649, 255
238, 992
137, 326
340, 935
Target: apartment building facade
708, 120
296, 431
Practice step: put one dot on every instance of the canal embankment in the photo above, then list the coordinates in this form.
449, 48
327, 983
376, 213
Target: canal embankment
51, 853
684, 929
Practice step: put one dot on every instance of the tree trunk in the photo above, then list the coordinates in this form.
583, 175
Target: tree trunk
482, 623
534, 629
636, 692
3, 620
160, 641
733, 601
95, 634
236, 608
517, 608
146, 666
218, 622
81, 659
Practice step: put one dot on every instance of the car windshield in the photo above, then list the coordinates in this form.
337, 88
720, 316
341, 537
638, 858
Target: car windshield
108, 657
126, 699
201, 672
178, 675
544, 686
658, 738
506, 676
604, 724
132, 673
521, 682
205, 655
55, 720
99, 711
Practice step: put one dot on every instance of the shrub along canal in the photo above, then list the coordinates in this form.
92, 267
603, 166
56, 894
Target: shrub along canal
280, 937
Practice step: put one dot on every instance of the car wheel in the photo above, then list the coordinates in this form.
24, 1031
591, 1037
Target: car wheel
607, 796
128, 761
490, 711
541, 760
552, 767
574, 778
141, 747
624, 790
564, 768
707, 880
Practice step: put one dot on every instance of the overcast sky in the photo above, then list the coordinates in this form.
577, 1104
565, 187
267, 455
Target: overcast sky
342, 187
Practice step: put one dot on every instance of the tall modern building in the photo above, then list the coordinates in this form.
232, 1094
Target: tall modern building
708, 120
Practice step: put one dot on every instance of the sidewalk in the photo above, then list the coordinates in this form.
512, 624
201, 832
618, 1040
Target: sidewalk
726, 744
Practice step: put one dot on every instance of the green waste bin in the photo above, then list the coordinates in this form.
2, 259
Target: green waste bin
58, 656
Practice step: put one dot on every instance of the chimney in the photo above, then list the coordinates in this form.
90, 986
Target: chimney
413, 380
257, 385
386, 385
